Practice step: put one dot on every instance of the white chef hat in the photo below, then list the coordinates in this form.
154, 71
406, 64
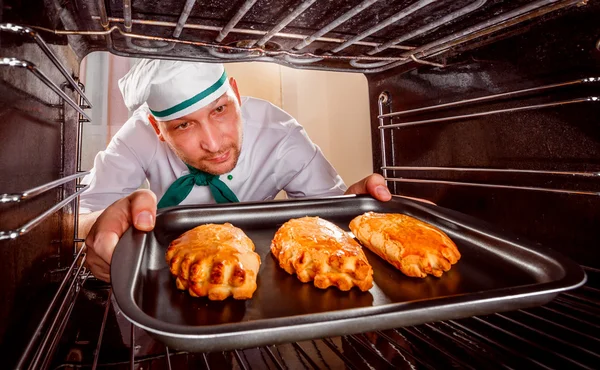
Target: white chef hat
173, 89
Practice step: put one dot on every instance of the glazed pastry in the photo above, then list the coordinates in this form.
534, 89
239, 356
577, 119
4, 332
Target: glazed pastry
317, 250
412, 246
214, 260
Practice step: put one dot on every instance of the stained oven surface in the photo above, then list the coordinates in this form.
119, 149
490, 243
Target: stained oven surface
490, 108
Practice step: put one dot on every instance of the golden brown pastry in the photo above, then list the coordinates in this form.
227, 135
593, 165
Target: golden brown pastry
214, 260
316, 249
412, 246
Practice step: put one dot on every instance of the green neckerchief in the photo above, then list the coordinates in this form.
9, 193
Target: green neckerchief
181, 188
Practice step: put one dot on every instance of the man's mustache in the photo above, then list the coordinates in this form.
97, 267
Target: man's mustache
219, 153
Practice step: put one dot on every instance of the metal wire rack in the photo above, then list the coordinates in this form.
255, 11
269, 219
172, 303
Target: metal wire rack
561, 334
386, 124
364, 58
8, 62
48, 332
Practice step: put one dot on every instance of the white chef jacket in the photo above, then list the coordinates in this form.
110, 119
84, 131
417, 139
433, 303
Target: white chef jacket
276, 154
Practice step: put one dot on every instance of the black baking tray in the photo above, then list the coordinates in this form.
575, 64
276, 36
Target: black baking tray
496, 273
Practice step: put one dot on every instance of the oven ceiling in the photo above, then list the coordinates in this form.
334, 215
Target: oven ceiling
359, 35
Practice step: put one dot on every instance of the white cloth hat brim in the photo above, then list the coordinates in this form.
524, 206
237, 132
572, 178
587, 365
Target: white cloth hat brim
173, 89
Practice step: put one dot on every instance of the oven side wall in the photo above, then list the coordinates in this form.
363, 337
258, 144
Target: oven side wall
39, 137
565, 138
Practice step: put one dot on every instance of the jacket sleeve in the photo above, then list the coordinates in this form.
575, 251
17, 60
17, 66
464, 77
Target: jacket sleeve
305, 172
121, 168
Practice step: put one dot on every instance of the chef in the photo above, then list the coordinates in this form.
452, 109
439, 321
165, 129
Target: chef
197, 141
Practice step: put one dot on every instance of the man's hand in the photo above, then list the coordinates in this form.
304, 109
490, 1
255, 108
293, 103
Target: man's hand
374, 185
137, 209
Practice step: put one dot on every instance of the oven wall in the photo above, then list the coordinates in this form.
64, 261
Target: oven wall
562, 138
36, 133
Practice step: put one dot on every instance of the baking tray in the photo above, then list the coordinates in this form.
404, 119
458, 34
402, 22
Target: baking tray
496, 273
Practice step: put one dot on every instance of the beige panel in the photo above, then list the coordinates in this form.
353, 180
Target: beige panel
334, 109
305, 97
260, 80
350, 125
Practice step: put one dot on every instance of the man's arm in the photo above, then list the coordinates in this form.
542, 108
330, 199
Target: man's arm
121, 168
103, 229
108, 203
302, 170
312, 174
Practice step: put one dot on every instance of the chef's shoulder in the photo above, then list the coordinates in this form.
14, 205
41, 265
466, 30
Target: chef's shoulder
275, 128
266, 115
136, 135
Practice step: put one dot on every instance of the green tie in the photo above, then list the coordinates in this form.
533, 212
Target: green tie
181, 188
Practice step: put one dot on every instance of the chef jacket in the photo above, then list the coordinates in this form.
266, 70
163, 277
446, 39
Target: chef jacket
276, 155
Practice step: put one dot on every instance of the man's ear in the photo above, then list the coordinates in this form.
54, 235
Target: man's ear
154, 124
234, 87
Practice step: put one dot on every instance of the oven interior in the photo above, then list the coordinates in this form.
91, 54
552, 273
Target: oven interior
490, 108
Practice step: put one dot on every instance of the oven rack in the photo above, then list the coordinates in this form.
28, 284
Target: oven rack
470, 343
29, 225
43, 342
84, 103
33, 35
48, 331
385, 101
31, 67
335, 58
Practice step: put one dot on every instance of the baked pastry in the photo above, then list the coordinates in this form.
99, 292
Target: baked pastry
214, 260
316, 249
412, 246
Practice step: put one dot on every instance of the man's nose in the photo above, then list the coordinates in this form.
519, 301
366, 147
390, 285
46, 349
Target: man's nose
210, 138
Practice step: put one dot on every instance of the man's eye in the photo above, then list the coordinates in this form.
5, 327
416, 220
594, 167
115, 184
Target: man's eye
220, 109
182, 125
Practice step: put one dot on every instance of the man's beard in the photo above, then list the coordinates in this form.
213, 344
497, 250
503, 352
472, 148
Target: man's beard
204, 167
235, 154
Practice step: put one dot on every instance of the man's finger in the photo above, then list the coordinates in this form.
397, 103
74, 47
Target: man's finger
107, 230
374, 185
101, 275
143, 209
104, 244
97, 266
358, 188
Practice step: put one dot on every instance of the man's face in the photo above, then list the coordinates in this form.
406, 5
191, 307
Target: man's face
209, 139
